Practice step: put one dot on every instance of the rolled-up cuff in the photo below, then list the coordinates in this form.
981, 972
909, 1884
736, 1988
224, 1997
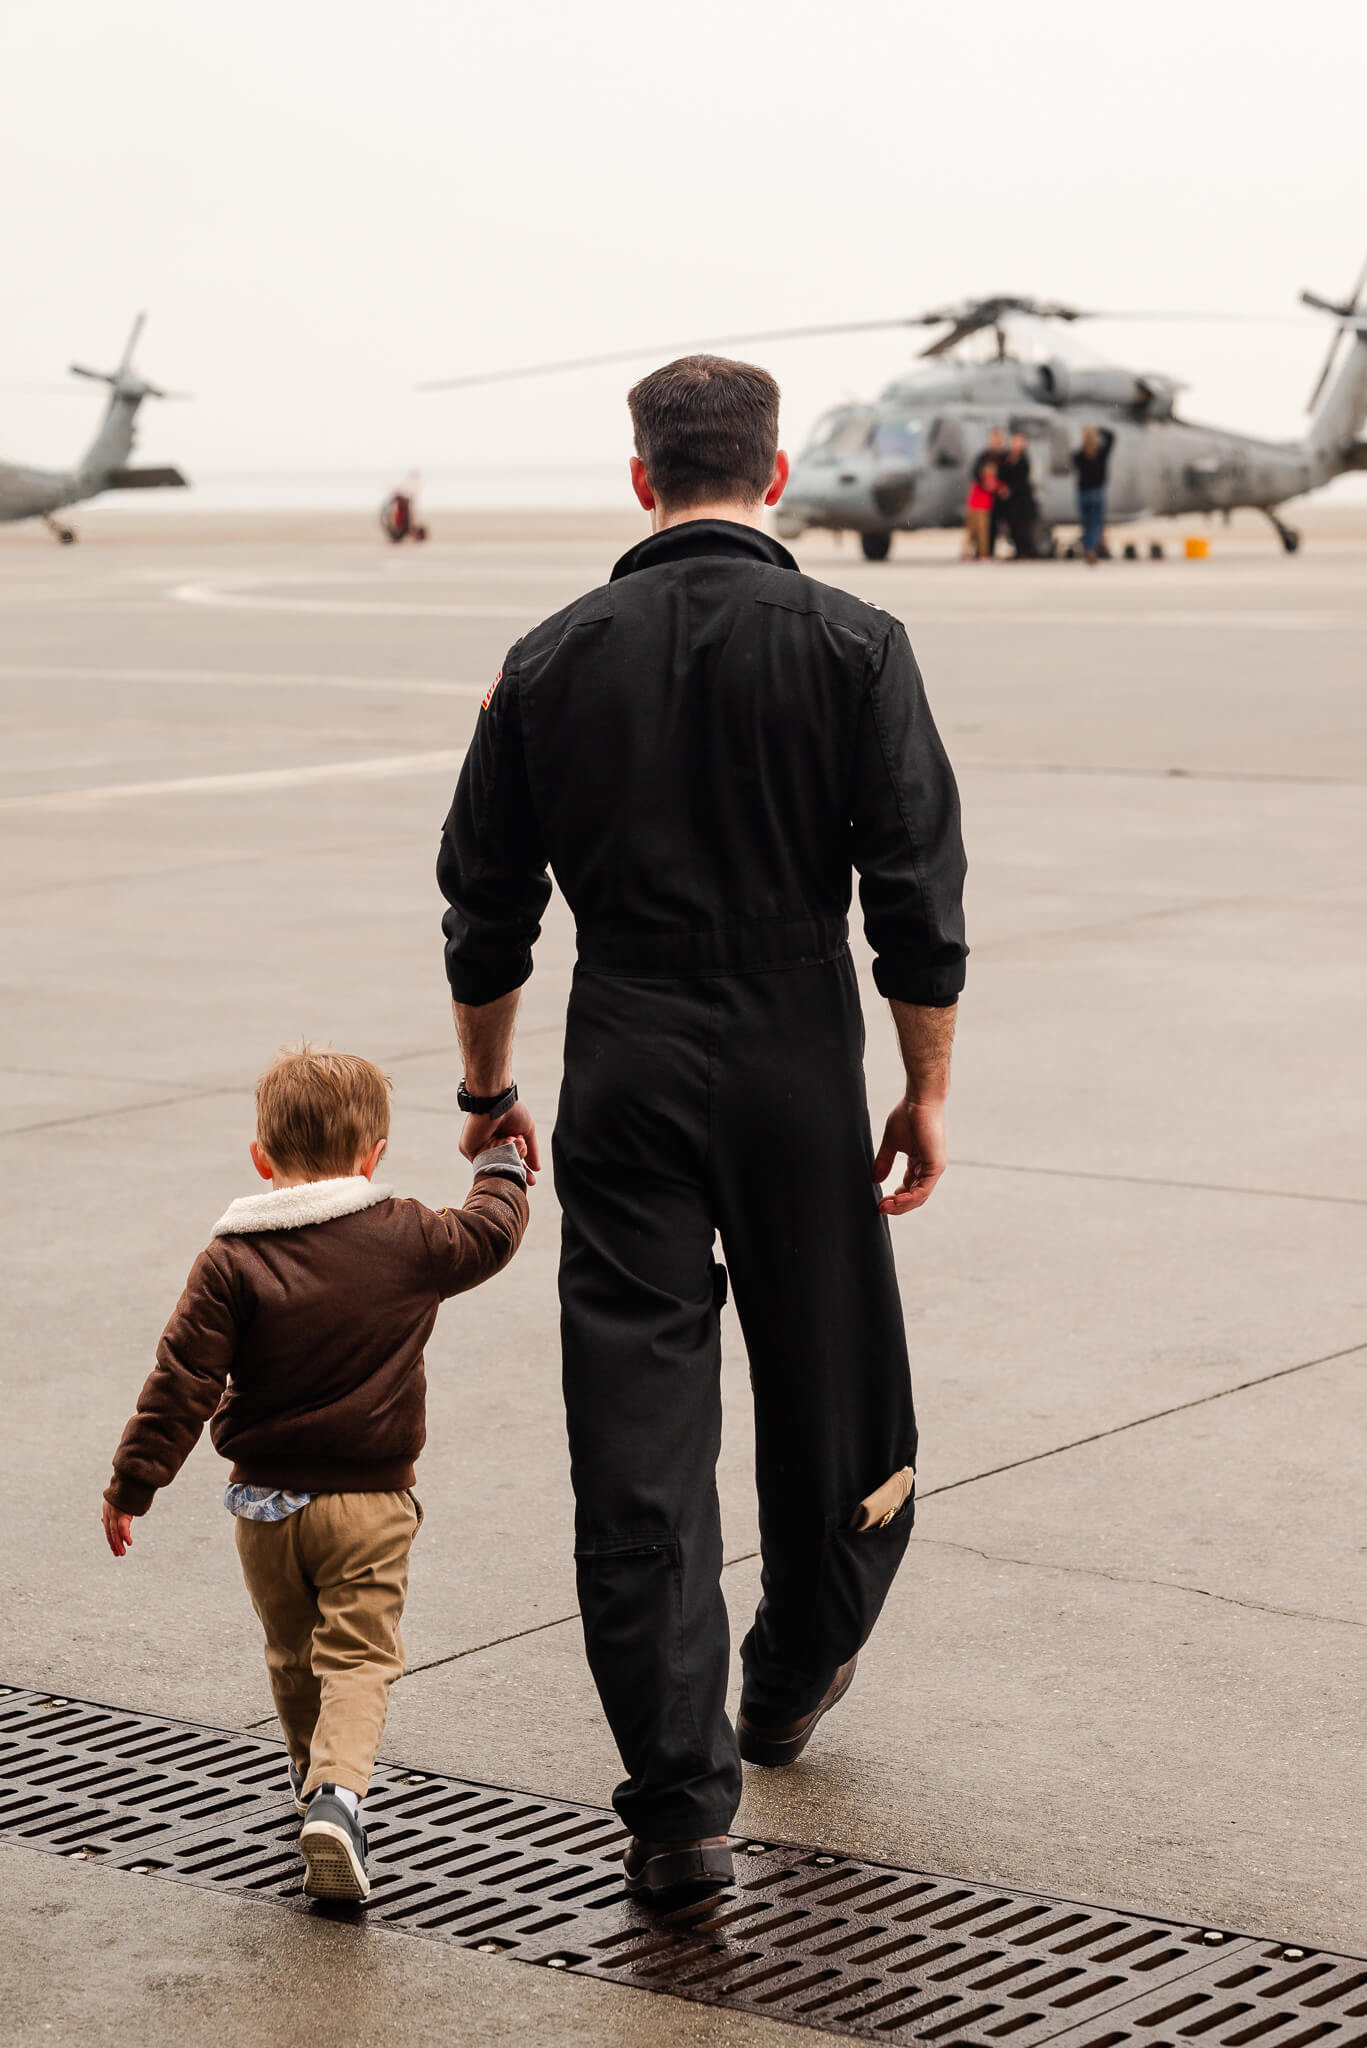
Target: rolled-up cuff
504, 1160
905, 980
477, 984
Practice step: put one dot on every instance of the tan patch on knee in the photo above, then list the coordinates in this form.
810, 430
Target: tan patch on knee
877, 1509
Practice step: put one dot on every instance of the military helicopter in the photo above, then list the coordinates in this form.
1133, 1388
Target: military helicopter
39, 493
901, 462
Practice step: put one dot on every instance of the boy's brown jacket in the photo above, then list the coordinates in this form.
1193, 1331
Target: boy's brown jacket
317, 1300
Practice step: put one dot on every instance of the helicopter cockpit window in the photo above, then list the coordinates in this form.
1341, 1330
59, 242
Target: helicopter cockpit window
899, 439
840, 433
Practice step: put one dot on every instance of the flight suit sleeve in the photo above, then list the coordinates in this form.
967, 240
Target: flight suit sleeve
492, 865
907, 844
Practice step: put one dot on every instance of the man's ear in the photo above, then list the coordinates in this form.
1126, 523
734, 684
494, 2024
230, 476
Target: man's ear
782, 466
640, 483
260, 1161
372, 1158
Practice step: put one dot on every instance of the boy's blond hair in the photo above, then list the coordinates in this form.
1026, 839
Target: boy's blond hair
319, 1112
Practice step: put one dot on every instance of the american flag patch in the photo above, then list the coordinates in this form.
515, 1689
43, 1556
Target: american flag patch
484, 700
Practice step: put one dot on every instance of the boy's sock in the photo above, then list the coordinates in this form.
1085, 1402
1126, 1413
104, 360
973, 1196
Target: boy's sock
348, 1799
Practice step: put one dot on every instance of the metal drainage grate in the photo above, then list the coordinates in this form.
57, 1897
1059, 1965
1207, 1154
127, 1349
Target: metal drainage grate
821, 1940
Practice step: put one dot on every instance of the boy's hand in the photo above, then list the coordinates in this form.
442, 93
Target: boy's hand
118, 1529
477, 1132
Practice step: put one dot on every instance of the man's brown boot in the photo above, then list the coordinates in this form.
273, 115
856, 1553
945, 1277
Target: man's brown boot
783, 1745
657, 1870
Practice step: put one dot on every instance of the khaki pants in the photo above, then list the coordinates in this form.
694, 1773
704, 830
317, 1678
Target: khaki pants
328, 1586
977, 528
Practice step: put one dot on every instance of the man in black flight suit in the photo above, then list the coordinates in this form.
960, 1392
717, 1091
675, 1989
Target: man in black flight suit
702, 750
1019, 509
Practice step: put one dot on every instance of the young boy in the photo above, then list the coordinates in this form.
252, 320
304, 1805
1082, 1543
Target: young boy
301, 1332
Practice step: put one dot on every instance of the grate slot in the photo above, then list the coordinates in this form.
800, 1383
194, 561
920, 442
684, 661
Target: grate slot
819, 1939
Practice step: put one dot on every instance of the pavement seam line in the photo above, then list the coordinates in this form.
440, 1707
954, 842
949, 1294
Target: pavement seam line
1086, 1571
494, 1643
90, 1116
1148, 1180
1099, 1436
454, 1657
1236, 775
1139, 1421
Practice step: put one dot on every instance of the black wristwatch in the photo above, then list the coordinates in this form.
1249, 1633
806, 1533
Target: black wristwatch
487, 1105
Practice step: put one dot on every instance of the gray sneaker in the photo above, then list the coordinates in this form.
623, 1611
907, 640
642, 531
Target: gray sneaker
333, 1845
301, 1805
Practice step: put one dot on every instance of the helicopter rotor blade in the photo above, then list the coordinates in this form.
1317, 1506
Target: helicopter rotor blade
959, 332
668, 348
962, 321
127, 363
1345, 315
1326, 371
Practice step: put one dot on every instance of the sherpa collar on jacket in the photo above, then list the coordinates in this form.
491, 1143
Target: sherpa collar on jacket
313, 1201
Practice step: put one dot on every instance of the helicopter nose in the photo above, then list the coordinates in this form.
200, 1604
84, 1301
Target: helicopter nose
893, 491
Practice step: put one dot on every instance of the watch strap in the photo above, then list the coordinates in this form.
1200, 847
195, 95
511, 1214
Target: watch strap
487, 1105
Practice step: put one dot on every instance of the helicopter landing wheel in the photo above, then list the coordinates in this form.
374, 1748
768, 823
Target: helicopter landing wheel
877, 546
59, 532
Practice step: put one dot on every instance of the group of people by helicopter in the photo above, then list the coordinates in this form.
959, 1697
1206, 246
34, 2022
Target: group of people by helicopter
1001, 497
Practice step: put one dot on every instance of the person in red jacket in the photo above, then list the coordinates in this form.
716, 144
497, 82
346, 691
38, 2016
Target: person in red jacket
984, 491
301, 1333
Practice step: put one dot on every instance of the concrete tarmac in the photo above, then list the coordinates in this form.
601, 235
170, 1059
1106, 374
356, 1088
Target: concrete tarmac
1126, 1658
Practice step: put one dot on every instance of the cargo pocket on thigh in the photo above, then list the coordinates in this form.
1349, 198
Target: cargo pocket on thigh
631, 1603
857, 1568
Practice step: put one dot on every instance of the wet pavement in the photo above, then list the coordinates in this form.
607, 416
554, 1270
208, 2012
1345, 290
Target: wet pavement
1126, 1657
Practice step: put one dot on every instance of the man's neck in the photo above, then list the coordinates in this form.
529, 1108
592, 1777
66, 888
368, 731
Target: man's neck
736, 513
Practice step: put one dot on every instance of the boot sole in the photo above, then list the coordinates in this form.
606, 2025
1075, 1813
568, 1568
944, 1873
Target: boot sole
335, 1871
757, 1748
682, 1871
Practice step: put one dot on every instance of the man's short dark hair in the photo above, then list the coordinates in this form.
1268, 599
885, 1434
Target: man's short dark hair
706, 430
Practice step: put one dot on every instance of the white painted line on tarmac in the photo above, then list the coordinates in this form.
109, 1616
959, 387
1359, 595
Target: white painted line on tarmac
383, 768
337, 607
256, 594
231, 679
1253, 621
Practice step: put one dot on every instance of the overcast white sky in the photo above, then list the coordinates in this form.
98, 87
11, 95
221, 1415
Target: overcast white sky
320, 204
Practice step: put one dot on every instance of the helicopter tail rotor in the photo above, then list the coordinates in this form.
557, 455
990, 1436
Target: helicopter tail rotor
125, 379
1348, 315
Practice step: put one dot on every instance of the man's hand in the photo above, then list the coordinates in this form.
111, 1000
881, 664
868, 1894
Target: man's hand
517, 1123
916, 1130
118, 1529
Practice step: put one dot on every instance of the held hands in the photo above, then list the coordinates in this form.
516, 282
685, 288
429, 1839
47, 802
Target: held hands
515, 1126
118, 1529
916, 1130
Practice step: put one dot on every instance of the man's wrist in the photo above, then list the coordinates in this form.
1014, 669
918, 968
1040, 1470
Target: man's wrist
495, 1104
